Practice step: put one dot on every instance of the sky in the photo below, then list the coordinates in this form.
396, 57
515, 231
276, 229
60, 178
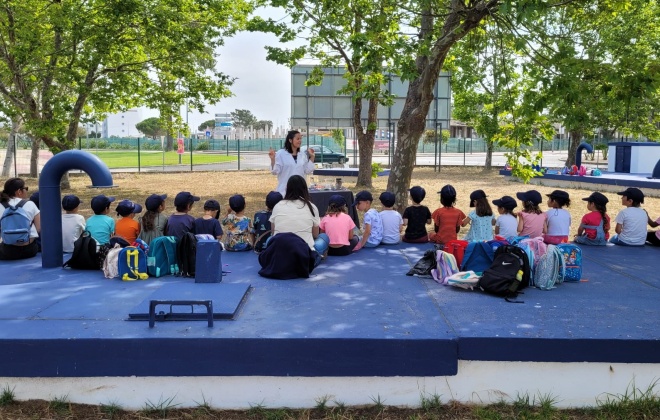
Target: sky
261, 86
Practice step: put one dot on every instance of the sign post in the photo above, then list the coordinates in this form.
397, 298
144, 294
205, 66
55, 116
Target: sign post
179, 148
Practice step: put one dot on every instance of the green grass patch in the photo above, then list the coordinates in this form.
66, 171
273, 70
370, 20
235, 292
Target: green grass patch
7, 396
129, 158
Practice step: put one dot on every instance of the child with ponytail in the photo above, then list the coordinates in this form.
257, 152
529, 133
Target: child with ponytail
595, 226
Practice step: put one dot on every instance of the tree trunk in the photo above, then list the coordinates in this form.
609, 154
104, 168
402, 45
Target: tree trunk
458, 22
12, 154
574, 142
34, 157
489, 154
365, 141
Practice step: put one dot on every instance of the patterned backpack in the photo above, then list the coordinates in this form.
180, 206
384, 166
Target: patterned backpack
550, 270
445, 266
572, 261
111, 262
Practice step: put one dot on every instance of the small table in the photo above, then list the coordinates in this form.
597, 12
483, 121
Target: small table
320, 198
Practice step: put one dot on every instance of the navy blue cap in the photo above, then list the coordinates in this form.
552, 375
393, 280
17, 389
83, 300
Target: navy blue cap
100, 203
506, 202
337, 200
447, 191
476, 195
387, 199
417, 193
237, 202
634, 194
531, 195
154, 201
597, 198
273, 198
184, 198
126, 207
363, 196
70, 202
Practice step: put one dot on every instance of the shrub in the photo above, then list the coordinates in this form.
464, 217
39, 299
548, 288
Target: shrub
101, 144
204, 145
375, 169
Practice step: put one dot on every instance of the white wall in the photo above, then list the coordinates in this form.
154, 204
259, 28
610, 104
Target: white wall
123, 124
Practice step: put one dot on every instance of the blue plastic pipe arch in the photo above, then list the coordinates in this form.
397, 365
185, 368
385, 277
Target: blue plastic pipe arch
50, 200
578, 153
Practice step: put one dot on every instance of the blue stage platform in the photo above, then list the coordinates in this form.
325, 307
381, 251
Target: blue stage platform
357, 316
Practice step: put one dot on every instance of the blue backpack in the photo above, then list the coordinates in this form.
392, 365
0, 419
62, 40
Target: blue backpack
132, 264
572, 261
161, 259
15, 224
478, 257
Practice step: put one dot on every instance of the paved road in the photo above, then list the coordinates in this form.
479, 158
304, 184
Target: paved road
260, 161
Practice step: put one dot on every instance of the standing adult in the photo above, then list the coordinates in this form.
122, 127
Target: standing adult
289, 161
15, 193
297, 214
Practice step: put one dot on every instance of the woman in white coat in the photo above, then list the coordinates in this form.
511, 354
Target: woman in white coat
289, 161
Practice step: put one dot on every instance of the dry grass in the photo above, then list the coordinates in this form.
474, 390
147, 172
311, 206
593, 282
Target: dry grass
254, 185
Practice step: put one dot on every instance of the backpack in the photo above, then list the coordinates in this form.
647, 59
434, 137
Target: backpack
186, 255
464, 280
445, 266
424, 265
132, 264
15, 224
550, 269
535, 248
456, 247
111, 262
84, 256
139, 243
262, 230
161, 258
478, 257
572, 262
508, 274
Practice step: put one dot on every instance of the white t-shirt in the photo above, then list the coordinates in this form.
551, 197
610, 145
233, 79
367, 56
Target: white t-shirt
30, 208
559, 222
633, 221
508, 225
285, 167
73, 226
392, 222
295, 217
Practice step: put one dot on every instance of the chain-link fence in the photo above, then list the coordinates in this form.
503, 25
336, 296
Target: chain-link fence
150, 155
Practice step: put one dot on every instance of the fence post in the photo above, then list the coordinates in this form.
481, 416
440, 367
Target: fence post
191, 153
138, 154
464, 143
227, 138
238, 148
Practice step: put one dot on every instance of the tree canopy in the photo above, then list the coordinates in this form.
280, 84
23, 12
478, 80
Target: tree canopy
152, 127
243, 118
61, 62
206, 124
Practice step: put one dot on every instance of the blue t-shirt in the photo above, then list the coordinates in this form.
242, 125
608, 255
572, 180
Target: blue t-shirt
101, 227
179, 224
481, 228
371, 217
208, 226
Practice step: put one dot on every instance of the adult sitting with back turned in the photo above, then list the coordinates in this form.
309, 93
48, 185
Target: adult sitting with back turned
297, 214
21, 228
288, 161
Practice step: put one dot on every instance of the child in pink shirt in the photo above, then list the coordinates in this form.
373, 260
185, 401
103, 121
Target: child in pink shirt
531, 220
338, 225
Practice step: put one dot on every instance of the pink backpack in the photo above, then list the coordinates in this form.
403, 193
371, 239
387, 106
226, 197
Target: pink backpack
536, 247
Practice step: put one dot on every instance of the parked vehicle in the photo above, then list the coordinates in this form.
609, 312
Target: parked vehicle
325, 154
